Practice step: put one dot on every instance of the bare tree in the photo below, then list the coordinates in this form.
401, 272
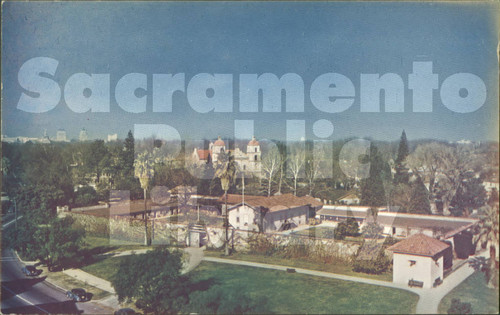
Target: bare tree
296, 162
444, 168
271, 164
424, 161
317, 164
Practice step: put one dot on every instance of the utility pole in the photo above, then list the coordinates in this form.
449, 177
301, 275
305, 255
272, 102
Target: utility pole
15, 213
145, 220
226, 223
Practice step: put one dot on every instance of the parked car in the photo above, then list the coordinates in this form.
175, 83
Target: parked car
31, 271
125, 311
77, 295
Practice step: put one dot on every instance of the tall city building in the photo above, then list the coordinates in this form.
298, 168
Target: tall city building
61, 135
113, 137
84, 136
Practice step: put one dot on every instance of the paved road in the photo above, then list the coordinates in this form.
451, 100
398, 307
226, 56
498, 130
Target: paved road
22, 295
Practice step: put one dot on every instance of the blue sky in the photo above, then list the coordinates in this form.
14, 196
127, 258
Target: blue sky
308, 39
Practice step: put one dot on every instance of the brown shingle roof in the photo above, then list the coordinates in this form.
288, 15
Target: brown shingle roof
233, 199
273, 203
312, 201
419, 244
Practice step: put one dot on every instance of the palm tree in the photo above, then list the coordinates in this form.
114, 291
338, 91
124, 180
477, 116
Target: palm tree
144, 170
226, 171
488, 238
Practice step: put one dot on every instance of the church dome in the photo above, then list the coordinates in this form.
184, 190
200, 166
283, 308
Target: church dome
219, 142
253, 142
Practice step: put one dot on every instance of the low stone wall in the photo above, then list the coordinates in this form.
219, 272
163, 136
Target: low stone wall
121, 230
126, 230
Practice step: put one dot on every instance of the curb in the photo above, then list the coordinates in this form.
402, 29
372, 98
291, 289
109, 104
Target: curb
24, 262
55, 285
46, 277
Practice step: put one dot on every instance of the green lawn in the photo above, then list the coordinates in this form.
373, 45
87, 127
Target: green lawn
473, 290
104, 245
296, 293
105, 268
340, 268
67, 282
292, 293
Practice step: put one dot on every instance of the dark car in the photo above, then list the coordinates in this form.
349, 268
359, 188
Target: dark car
125, 311
78, 295
31, 271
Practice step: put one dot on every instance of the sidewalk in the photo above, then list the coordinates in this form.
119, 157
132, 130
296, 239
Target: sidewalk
195, 256
314, 273
428, 302
90, 279
430, 298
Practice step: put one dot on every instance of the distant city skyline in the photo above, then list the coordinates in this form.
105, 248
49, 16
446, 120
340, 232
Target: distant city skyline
304, 38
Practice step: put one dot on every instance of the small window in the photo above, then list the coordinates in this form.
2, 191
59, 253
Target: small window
413, 262
255, 149
238, 219
255, 158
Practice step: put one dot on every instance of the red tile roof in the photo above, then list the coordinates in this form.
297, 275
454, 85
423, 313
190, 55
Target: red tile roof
419, 244
203, 154
253, 142
219, 142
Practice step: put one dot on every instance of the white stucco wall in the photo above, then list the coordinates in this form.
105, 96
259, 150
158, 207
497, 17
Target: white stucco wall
405, 232
243, 218
274, 220
246, 218
425, 269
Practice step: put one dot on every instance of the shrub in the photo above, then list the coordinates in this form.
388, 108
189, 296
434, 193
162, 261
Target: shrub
339, 233
372, 266
389, 241
458, 307
260, 244
295, 249
85, 196
345, 228
371, 259
372, 230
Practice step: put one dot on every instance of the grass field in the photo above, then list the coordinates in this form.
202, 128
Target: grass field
474, 291
65, 281
100, 245
292, 293
296, 293
105, 268
340, 268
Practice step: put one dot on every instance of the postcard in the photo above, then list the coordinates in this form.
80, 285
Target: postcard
250, 157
